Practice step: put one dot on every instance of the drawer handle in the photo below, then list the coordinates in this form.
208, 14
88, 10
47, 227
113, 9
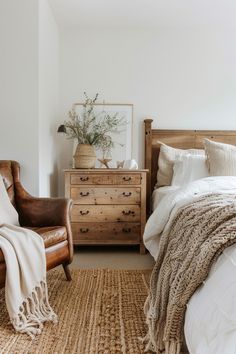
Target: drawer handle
84, 194
126, 179
84, 212
127, 194
128, 212
84, 231
84, 179
126, 230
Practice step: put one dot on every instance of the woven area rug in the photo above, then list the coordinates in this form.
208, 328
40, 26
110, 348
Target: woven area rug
100, 312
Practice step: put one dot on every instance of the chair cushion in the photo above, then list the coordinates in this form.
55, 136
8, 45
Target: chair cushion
51, 236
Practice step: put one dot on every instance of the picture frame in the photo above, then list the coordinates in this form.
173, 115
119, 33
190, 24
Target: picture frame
123, 149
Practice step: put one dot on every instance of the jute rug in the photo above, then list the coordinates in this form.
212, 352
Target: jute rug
100, 312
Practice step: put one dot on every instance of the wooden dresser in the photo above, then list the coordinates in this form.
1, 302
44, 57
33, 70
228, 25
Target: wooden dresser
109, 206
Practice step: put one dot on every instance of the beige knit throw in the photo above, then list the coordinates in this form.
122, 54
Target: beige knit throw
198, 235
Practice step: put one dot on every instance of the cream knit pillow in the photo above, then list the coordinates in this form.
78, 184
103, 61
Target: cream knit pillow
221, 158
166, 160
8, 214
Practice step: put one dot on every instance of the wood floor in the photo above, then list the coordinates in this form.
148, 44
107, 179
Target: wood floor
112, 257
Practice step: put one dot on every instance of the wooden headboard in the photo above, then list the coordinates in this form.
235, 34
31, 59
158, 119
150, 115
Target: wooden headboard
182, 139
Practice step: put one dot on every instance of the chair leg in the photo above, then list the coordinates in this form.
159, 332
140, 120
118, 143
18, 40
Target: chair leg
67, 272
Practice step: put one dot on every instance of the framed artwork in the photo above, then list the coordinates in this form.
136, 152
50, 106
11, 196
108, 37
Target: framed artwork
123, 140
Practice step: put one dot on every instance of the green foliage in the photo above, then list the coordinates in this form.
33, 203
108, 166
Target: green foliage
93, 128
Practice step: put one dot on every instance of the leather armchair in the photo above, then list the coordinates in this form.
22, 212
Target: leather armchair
49, 217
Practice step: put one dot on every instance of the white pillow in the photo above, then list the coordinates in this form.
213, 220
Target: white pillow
221, 158
8, 214
166, 160
189, 168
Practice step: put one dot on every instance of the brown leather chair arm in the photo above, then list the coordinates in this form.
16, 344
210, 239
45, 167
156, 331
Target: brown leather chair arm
39, 212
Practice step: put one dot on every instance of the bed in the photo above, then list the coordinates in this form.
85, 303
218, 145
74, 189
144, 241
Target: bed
210, 319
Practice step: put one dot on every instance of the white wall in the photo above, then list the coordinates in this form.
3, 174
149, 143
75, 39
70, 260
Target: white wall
19, 87
29, 72
182, 78
48, 99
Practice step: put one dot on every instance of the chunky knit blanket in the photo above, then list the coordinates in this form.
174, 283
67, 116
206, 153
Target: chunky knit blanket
199, 233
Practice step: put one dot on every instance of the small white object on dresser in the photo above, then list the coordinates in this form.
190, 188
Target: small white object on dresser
109, 206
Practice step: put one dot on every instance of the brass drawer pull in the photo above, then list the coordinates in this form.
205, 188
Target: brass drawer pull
84, 231
84, 179
126, 179
127, 194
84, 212
128, 212
126, 230
84, 194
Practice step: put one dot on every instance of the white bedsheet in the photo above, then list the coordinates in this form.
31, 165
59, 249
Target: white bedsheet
159, 193
210, 321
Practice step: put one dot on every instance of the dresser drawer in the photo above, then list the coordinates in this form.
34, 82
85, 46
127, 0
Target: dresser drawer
105, 195
106, 178
109, 233
105, 213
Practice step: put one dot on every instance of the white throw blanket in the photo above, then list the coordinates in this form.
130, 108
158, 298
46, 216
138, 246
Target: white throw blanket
26, 288
161, 219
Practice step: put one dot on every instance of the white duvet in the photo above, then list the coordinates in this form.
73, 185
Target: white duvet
210, 321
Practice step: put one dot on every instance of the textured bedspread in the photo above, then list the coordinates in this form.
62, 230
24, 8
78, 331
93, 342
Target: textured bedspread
197, 235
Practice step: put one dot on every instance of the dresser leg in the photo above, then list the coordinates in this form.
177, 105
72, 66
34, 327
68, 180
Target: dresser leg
67, 272
142, 248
